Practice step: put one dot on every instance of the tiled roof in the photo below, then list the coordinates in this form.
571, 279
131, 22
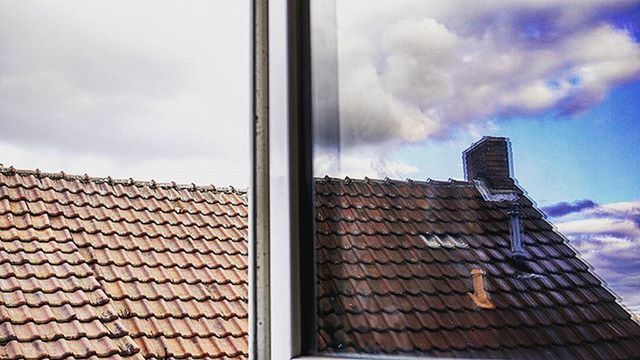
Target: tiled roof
95, 268
394, 263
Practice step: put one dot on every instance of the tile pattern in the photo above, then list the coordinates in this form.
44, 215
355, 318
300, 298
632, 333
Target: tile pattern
394, 261
95, 268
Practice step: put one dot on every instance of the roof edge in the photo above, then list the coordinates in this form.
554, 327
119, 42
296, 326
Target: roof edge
126, 182
484, 139
389, 181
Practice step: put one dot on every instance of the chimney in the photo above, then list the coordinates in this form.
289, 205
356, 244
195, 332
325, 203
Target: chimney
480, 296
488, 160
487, 163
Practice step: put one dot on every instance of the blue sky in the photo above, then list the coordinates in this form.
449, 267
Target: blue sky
592, 155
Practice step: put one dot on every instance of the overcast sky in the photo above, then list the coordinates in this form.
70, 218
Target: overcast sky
143, 89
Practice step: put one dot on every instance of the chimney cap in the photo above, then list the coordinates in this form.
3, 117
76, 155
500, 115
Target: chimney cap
484, 139
477, 272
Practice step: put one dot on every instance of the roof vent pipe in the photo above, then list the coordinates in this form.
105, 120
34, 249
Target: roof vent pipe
516, 239
480, 296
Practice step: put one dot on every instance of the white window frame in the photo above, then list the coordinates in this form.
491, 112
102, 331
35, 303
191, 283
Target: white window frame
281, 55
274, 320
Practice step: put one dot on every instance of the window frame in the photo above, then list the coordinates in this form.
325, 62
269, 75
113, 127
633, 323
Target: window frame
292, 314
283, 326
282, 263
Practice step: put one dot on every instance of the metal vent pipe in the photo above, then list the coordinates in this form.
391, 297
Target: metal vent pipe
516, 237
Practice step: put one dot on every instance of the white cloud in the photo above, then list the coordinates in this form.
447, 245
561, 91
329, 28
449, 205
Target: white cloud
201, 170
358, 166
413, 71
619, 208
600, 226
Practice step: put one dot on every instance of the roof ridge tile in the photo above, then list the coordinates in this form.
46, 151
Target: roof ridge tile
389, 181
85, 178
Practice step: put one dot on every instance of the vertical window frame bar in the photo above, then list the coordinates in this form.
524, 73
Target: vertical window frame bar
259, 194
300, 118
288, 325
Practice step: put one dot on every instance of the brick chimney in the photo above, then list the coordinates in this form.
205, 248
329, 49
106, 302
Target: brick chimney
488, 160
487, 163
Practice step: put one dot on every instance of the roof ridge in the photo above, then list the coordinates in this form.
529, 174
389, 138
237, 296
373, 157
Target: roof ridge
405, 182
126, 182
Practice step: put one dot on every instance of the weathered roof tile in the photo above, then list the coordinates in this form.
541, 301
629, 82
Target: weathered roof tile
394, 278
94, 268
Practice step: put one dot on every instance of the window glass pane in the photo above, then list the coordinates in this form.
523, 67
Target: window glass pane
142, 258
476, 166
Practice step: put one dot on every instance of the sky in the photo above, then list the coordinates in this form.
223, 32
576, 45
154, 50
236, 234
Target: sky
414, 83
142, 89
161, 90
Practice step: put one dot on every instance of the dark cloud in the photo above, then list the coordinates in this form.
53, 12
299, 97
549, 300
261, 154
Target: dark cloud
564, 208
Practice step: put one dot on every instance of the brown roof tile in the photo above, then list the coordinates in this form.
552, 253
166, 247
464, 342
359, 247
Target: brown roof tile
94, 268
394, 261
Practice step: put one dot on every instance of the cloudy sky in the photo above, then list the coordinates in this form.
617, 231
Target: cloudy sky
414, 83
608, 237
160, 90
142, 89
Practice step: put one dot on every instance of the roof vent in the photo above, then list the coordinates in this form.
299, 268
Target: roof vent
480, 296
516, 240
488, 160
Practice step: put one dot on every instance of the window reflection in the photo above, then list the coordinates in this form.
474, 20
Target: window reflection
525, 114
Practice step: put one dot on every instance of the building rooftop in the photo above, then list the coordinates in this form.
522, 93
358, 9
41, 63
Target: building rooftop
94, 268
462, 269
97, 267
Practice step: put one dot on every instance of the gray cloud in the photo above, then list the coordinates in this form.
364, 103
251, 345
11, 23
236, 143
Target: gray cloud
564, 208
608, 237
411, 72
146, 85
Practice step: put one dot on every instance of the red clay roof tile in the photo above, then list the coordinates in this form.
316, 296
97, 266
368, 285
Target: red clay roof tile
131, 269
394, 278
94, 268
